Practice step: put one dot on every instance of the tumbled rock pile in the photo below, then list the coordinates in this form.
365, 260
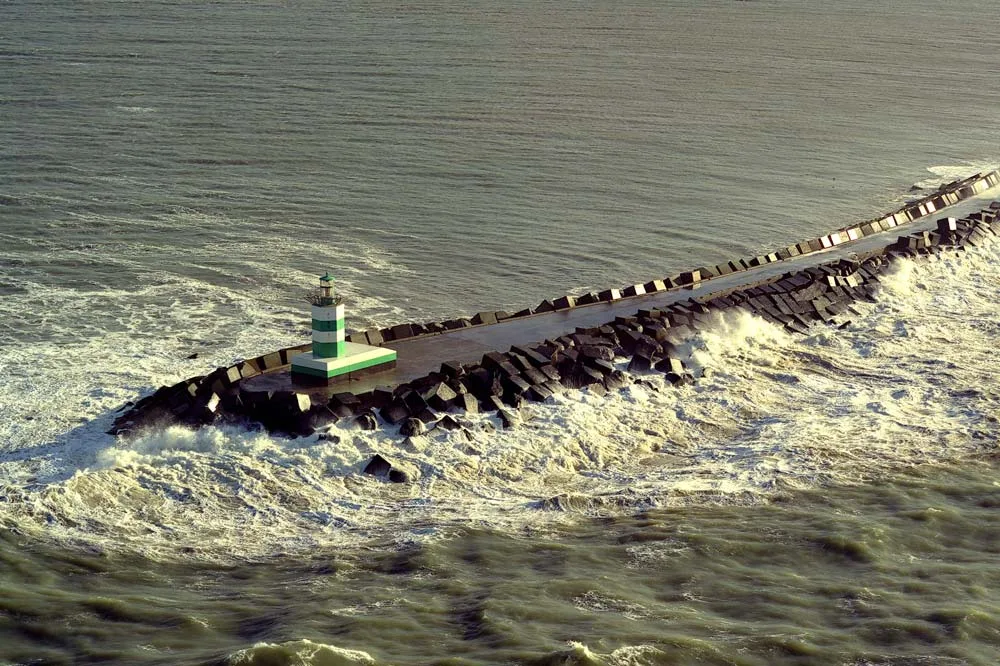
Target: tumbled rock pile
502, 381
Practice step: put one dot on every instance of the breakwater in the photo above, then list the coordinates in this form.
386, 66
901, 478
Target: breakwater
574, 357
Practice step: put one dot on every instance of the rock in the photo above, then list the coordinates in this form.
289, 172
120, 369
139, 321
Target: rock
449, 423
394, 412
509, 419
366, 421
615, 380
564, 303
393, 470
440, 397
484, 318
669, 365
538, 393
640, 363
414, 401
469, 403
452, 369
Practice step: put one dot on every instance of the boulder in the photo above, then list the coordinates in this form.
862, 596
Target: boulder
468, 403
366, 421
449, 422
615, 380
481, 318
452, 369
394, 412
670, 365
391, 470
508, 418
564, 302
412, 426
440, 397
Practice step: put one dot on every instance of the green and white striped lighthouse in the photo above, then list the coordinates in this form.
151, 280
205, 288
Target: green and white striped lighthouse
327, 321
332, 356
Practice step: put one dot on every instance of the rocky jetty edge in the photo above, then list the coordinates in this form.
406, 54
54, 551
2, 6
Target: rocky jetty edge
501, 381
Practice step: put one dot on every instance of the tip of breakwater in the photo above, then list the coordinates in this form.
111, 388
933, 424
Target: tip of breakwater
450, 368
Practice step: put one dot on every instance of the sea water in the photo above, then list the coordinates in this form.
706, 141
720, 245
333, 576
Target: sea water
174, 175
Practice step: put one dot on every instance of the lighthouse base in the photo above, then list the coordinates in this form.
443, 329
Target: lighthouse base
357, 358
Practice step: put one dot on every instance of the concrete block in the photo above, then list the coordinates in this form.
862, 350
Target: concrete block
609, 295
440, 397
481, 318
452, 369
270, 361
689, 277
633, 290
538, 393
564, 302
402, 331
654, 286
545, 306
233, 374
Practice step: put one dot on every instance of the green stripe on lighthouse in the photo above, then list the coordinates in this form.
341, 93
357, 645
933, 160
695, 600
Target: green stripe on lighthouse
331, 325
328, 349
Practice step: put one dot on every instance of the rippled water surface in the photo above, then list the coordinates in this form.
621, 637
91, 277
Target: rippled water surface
173, 175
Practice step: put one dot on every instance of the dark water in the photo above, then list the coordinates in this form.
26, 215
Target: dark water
901, 570
173, 175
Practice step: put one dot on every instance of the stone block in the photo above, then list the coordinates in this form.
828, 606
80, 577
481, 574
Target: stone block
654, 286
440, 397
538, 393
402, 331
452, 369
640, 363
468, 403
633, 290
609, 295
391, 470
271, 361
524, 313
545, 306
533, 356
515, 384
534, 376
411, 427
564, 302
481, 318
394, 412
601, 365
689, 277
508, 418
233, 374
551, 372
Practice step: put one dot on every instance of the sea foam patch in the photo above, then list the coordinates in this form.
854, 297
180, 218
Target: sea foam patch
907, 382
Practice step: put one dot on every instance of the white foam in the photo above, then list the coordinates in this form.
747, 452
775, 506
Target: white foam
910, 381
303, 652
947, 173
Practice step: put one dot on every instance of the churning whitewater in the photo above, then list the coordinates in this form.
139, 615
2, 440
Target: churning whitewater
907, 382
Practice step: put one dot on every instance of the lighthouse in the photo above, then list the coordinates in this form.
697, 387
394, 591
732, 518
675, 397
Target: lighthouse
332, 357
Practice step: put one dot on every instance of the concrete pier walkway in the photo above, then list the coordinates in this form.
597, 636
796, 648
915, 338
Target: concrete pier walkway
419, 356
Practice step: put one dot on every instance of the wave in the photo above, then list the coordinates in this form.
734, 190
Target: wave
908, 381
298, 653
